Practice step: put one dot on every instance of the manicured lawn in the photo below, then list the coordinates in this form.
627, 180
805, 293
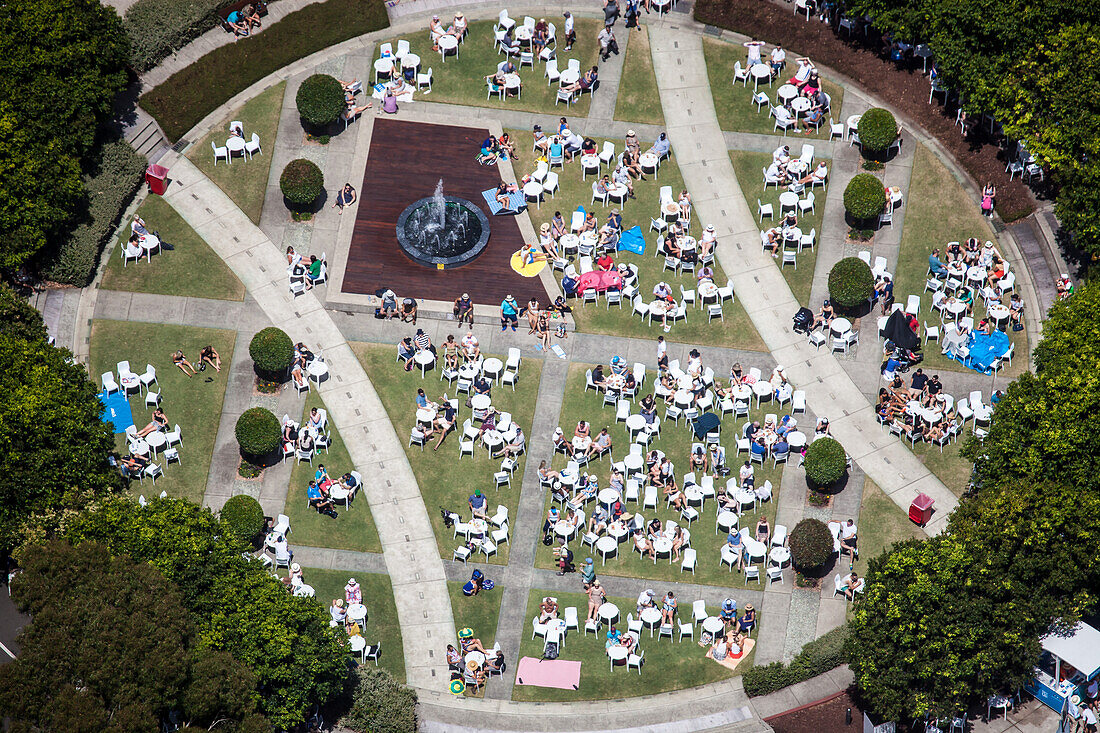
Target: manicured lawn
675, 441
949, 466
445, 480
478, 612
194, 403
192, 93
382, 625
461, 80
245, 180
880, 524
639, 100
191, 269
747, 167
355, 529
736, 330
938, 211
668, 665
733, 103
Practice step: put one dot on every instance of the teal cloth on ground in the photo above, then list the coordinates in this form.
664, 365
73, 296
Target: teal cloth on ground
632, 241
984, 350
116, 410
516, 202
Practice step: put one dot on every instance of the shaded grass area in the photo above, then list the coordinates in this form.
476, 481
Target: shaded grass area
881, 523
445, 480
675, 442
938, 211
747, 168
478, 612
190, 94
192, 269
668, 665
382, 624
735, 330
244, 181
194, 403
355, 529
949, 466
639, 100
733, 102
461, 79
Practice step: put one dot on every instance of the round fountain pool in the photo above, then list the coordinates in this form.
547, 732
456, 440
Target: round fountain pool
444, 241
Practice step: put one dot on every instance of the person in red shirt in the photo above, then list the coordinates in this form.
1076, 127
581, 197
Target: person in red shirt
605, 262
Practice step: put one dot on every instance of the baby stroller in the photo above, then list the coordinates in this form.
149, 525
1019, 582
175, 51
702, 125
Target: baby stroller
803, 321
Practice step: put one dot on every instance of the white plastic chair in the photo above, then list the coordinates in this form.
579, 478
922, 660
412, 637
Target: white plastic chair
253, 146
222, 152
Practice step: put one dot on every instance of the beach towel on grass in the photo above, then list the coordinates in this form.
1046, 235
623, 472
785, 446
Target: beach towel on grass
116, 410
560, 673
984, 350
731, 664
516, 202
631, 240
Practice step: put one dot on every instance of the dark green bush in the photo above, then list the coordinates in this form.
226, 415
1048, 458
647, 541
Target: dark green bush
864, 197
817, 657
811, 545
826, 462
381, 704
877, 130
258, 433
320, 100
851, 283
115, 177
157, 28
271, 351
301, 182
192, 93
243, 517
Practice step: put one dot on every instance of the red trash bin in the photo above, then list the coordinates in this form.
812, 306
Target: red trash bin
920, 511
157, 178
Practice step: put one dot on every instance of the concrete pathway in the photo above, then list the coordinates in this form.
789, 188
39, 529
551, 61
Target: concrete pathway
412, 560
704, 162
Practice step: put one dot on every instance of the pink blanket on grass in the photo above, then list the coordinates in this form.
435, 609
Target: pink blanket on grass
559, 673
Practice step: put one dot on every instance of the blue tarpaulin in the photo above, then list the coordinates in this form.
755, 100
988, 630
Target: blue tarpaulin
632, 241
516, 202
116, 410
984, 350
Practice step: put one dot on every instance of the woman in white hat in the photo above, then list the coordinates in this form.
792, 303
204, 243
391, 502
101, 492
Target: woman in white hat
352, 592
632, 143
708, 241
294, 578
338, 612
460, 25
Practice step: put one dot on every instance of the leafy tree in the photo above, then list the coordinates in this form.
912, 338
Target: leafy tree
320, 100
243, 516
55, 443
18, 318
380, 704
111, 648
910, 20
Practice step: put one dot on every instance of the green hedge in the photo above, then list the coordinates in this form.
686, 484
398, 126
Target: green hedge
115, 178
864, 197
243, 517
271, 351
851, 283
320, 100
301, 182
877, 130
191, 94
157, 28
817, 657
811, 545
825, 462
258, 433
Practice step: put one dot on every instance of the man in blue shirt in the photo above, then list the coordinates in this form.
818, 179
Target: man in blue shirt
935, 265
478, 505
728, 612
509, 313
319, 501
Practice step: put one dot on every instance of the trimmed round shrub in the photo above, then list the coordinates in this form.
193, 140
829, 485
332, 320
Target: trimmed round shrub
811, 545
826, 462
877, 130
271, 351
851, 283
302, 182
320, 100
258, 433
243, 517
865, 197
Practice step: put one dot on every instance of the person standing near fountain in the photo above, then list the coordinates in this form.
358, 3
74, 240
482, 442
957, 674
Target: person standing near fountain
464, 309
509, 313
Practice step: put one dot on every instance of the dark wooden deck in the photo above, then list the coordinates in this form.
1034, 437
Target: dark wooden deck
406, 160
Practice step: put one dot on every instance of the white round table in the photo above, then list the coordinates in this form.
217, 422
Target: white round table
788, 200
235, 144
357, 643
649, 163
762, 389
840, 326
474, 656
148, 242
618, 191
727, 520
532, 190
976, 273
662, 546
614, 382
468, 370
156, 440
744, 496
955, 307
707, 290
524, 33
607, 497
800, 105
492, 439
683, 398
780, 556
670, 210
797, 167
425, 359
383, 66
853, 123
317, 369
787, 91
635, 424
410, 61
481, 402
479, 527
608, 612
998, 312
511, 81
139, 447
617, 530
650, 617
713, 624
633, 462
569, 241
659, 307
568, 77
791, 234
693, 495
760, 72
581, 442
426, 415
742, 392
564, 529
607, 545
446, 43
616, 653
590, 163
796, 439
492, 367
357, 611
